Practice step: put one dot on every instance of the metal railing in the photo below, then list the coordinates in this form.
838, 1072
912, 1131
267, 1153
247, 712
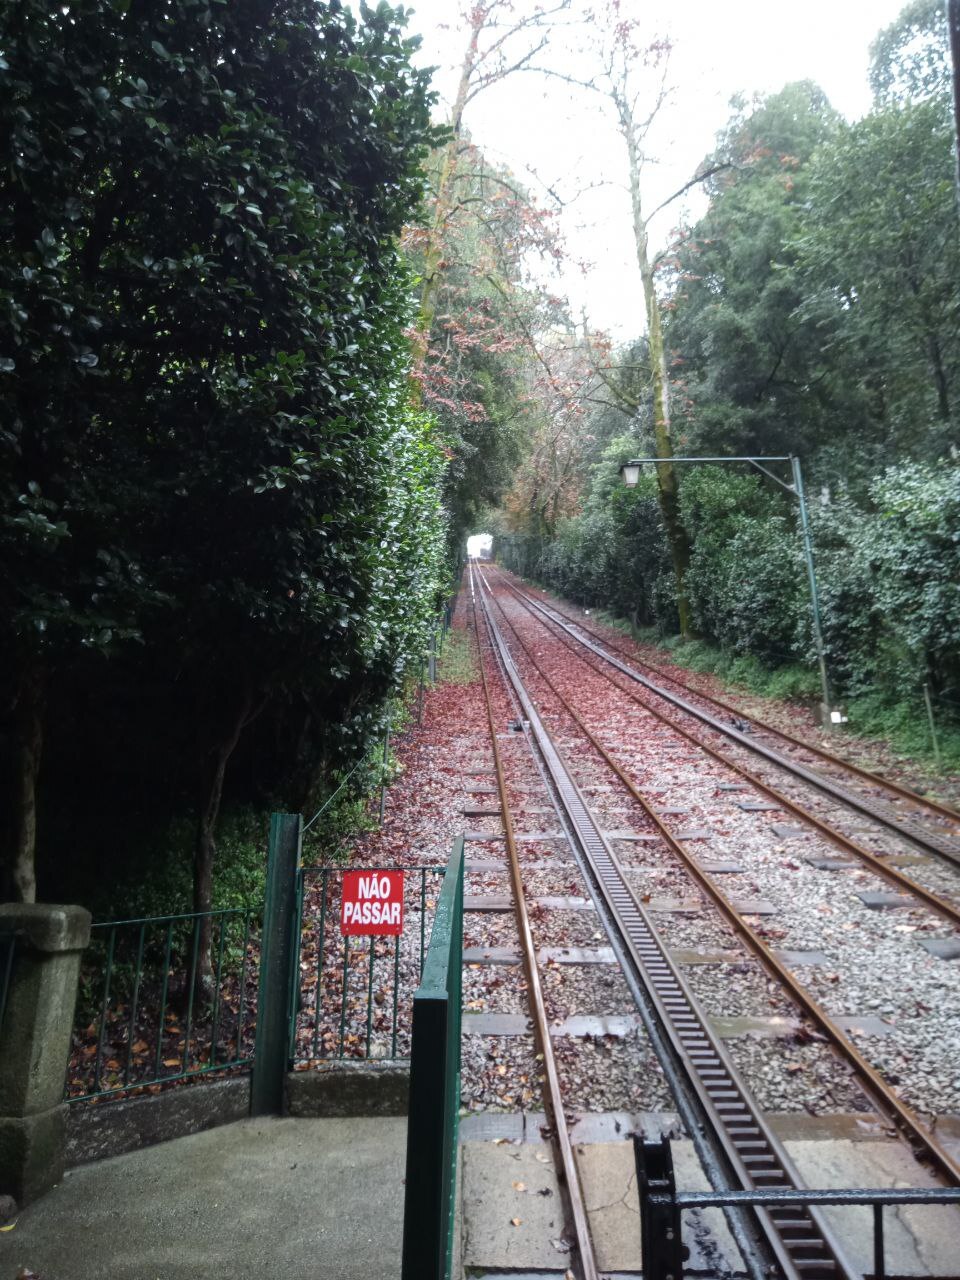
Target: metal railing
157, 1003
354, 994
431, 1172
662, 1207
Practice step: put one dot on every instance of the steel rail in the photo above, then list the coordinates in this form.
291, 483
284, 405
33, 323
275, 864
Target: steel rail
907, 1122
879, 780
942, 906
553, 1099
941, 847
757, 1256
800, 1239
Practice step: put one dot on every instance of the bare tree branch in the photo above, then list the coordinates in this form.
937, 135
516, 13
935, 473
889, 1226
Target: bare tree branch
694, 182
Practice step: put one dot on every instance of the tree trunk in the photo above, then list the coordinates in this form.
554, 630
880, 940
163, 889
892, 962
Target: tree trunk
939, 378
27, 750
433, 252
953, 23
205, 848
667, 487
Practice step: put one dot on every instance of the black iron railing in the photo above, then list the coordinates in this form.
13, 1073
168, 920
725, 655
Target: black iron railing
354, 994
662, 1207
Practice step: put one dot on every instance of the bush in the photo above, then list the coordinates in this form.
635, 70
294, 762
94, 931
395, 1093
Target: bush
888, 570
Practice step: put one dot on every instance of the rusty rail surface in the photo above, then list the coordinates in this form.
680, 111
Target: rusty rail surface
924, 1144
799, 1238
945, 847
942, 906
569, 1174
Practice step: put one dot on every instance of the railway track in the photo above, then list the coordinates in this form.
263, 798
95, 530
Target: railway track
797, 1239
936, 902
939, 837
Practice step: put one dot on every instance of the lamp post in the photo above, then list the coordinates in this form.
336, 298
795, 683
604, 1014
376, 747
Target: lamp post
631, 474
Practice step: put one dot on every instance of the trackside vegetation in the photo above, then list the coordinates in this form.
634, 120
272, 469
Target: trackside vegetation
222, 543
813, 309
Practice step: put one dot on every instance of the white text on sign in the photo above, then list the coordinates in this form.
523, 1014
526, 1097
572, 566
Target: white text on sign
372, 903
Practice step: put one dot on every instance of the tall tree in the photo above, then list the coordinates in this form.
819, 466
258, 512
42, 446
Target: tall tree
953, 20
203, 313
747, 367
500, 42
910, 58
630, 73
880, 256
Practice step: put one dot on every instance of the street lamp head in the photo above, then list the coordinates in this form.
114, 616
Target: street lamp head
631, 474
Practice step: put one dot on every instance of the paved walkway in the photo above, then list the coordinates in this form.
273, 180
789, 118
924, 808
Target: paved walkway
256, 1200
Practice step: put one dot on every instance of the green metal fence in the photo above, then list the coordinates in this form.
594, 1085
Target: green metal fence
157, 1003
164, 999
429, 1204
354, 994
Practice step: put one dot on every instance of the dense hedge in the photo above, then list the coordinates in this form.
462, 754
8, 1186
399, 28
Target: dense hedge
220, 525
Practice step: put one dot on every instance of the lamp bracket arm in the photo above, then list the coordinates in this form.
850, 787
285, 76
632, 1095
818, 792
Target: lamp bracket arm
782, 483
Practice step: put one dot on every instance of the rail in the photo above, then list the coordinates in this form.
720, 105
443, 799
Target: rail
872, 778
943, 847
942, 906
570, 1176
728, 1111
909, 1124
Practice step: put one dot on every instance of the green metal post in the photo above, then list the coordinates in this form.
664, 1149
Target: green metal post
428, 1218
277, 942
814, 593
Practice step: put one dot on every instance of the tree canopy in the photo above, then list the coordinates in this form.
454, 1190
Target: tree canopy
208, 464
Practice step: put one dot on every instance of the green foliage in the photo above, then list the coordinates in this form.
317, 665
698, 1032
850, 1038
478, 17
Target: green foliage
457, 663
746, 576
888, 571
880, 260
817, 301
904, 724
814, 309
910, 59
205, 446
784, 681
741, 352
612, 555
477, 372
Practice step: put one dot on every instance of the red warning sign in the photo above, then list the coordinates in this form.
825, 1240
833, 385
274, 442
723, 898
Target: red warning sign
372, 903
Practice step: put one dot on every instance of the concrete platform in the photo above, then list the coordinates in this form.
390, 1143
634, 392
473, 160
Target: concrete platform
512, 1211
301, 1199
918, 1241
319, 1199
512, 1217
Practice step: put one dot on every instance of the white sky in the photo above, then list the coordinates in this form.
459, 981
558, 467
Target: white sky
539, 126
